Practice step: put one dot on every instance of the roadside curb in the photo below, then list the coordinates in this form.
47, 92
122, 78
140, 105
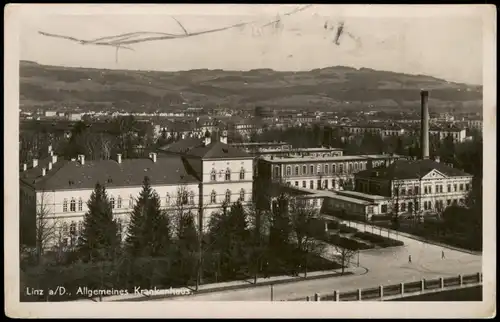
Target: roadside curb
237, 287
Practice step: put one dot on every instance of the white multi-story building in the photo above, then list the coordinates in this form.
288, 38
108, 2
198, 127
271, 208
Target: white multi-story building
329, 172
426, 186
199, 179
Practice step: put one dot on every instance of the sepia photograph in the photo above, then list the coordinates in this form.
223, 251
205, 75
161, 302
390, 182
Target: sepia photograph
240, 155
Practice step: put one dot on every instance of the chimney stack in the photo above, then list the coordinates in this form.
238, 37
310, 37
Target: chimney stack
50, 166
25, 167
44, 171
119, 158
35, 163
424, 123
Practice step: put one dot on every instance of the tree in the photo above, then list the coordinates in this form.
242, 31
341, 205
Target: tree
99, 240
345, 254
303, 219
149, 228
46, 227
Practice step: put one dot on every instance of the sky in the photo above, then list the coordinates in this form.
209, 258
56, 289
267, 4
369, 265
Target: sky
444, 42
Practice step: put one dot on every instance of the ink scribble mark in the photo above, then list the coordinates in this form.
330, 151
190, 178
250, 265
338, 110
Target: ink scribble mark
340, 29
120, 41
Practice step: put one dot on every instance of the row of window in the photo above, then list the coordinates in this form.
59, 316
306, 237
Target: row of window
227, 196
437, 189
227, 174
320, 169
410, 206
322, 184
186, 198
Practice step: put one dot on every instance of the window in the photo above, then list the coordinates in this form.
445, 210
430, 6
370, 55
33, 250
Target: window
355, 167
276, 172
448, 202
64, 229
191, 198
455, 187
467, 186
311, 169
304, 184
383, 209
350, 167
242, 194
288, 171
213, 175
296, 183
326, 184
319, 184
242, 174
410, 207
119, 202
131, 201
119, 225
403, 206
333, 183
297, 170
315, 202
410, 191
72, 229
416, 190
72, 205
213, 197
112, 202
461, 187
80, 204
304, 169
333, 168
327, 169
403, 191
228, 174
449, 188
80, 227
228, 196
318, 168
184, 198
341, 168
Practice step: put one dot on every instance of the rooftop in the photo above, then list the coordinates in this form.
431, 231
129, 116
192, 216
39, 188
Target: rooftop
195, 147
130, 172
414, 169
330, 158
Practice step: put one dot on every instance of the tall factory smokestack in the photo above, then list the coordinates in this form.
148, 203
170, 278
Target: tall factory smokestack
424, 123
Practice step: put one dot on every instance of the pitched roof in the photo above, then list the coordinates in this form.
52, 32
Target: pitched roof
183, 145
131, 172
415, 169
217, 150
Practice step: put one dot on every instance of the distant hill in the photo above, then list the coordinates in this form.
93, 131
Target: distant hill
331, 88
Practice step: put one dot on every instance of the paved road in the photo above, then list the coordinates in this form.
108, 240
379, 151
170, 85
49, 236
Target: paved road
385, 266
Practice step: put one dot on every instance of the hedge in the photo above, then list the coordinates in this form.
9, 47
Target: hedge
378, 239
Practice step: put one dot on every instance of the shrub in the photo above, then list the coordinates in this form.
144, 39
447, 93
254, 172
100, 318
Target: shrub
378, 240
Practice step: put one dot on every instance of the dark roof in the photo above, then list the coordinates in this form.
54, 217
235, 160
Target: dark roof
131, 172
415, 169
195, 147
217, 150
183, 145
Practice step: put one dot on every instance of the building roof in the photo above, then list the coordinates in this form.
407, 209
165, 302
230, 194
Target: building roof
361, 195
415, 169
182, 146
217, 150
131, 172
332, 158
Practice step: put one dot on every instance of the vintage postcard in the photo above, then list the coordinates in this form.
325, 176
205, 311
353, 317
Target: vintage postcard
250, 159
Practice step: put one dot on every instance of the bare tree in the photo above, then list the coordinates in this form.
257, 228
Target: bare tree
303, 217
395, 196
343, 253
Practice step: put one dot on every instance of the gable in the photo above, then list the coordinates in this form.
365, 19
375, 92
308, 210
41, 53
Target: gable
434, 174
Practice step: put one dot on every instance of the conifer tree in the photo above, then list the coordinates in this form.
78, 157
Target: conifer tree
99, 239
148, 231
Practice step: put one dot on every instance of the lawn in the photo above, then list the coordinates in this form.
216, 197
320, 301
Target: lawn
378, 240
